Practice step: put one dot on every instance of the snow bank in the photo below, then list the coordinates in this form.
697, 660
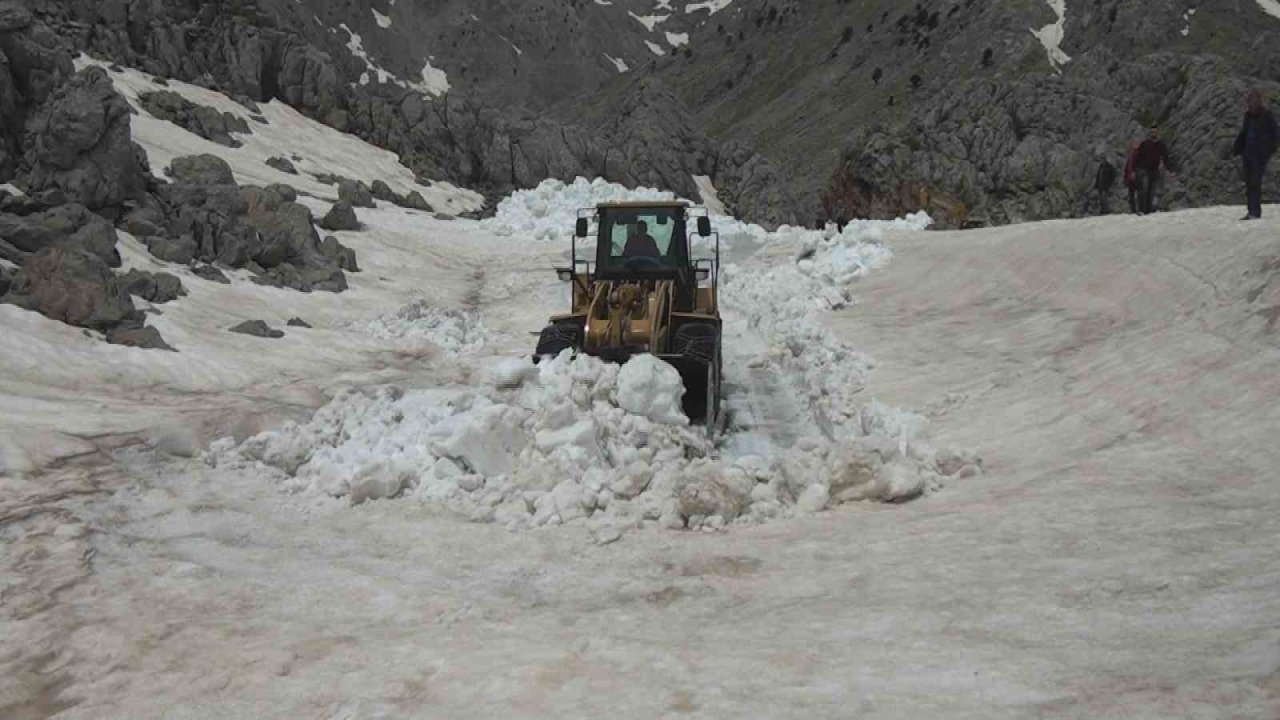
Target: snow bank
548, 211
607, 446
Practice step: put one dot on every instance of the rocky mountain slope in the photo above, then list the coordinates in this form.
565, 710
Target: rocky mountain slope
981, 112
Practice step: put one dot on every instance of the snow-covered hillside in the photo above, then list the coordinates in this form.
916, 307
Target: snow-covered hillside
390, 511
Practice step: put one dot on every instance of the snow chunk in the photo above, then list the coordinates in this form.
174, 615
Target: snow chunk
655, 48
677, 39
383, 21
456, 330
650, 387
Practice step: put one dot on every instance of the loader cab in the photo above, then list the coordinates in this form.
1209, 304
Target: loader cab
643, 241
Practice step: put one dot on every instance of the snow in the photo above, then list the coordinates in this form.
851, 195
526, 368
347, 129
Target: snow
434, 81
708, 195
457, 330
578, 440
655, 48
383, 21
677, 39
649, 21
1270, 7
1186, 21
617, 62
1050, 36
548, 211
356, 45
711, 6
318, 149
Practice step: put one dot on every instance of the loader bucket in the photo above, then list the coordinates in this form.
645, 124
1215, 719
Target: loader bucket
701, 387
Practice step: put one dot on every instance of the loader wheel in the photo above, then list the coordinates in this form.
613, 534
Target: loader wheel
696, 340
556, 338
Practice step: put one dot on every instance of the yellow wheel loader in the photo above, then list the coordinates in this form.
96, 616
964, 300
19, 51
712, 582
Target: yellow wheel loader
644, 292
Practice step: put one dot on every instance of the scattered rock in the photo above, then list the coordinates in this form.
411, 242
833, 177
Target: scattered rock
343, 255
282, 164
211, 273
342, 216
71, 224
382, 191
201, 170
71, 285
140, 337
444, 216
414, 201
286, 192
202, 120
297, 322
157, 288
355, 193
180, 250
257, 328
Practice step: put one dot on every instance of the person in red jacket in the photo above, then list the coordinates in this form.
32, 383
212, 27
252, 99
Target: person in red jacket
1131, 177
1151, 157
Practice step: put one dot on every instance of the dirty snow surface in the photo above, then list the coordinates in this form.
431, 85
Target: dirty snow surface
1020, 472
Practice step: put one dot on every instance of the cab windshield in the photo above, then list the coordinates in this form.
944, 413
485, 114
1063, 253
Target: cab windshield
642, 239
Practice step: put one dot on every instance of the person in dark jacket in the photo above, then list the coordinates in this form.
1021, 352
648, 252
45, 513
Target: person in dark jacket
1131, 177
1152, 156
1103, 182
1256, 144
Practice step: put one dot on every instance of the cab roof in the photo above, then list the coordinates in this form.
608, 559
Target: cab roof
646, 204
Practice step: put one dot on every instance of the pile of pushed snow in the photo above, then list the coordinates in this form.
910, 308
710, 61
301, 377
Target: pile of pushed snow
782, 305
457, 330
573, 440
548, 212
607, 446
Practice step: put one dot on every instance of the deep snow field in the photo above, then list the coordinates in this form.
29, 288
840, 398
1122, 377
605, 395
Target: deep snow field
396, 514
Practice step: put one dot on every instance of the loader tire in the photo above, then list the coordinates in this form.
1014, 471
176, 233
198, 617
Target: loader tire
556, 338
697, 341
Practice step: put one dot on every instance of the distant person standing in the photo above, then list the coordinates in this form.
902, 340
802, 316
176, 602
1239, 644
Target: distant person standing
1256, 144
1103, 182
1152, 156
1131, 176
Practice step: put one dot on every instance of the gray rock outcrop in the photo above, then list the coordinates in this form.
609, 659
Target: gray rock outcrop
201, 120
340, 217
257, 328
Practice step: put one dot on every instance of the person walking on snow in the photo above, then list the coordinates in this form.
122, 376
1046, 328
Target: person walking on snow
1152, 156
1256, 144
1131, 177
1103, 182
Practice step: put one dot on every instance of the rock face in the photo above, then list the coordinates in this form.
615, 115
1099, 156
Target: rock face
78, 142
70, 225
797, 112
199, 119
